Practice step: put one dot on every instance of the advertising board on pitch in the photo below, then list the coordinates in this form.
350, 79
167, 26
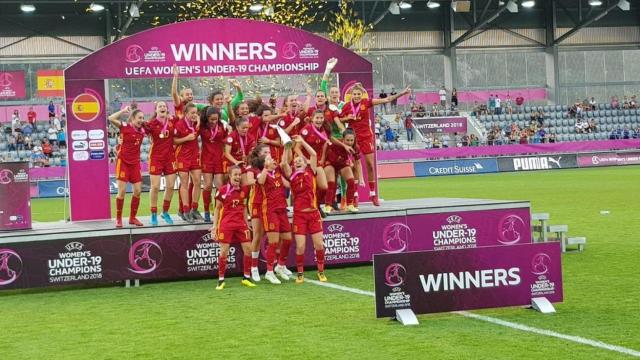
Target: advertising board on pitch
541, 162
465, 279
455, 167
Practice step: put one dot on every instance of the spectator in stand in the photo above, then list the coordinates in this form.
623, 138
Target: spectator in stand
57, 124
491, 104
408, 124
536, 138
398, 122
377, 126
625, 102
15, 121
579, 127
454, 98
112, 155
428, 142
508, 105
394, 102
446, 140
524, 138
437, 143
498, 104
593, 127
62, 140
38, 158
52, 134
593, 103
28, 142
115, 105
27, 129
520, 104
457, 140
31, 116
542, 135
552, 138
19, 141
443, 97
383, 95
474, 141
63, 111
615, 104
389, 136
636, 133
465, 140
52, 111
633, 104
47, 149
434, 110
11, 140
626, 134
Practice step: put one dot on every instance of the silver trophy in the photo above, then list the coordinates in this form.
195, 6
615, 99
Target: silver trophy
286, 139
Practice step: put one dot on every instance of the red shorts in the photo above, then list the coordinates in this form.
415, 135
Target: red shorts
128, 172
162, 167
233, 235
276, 221
256, 211
307, 222
188, 164
366, 143
212, 166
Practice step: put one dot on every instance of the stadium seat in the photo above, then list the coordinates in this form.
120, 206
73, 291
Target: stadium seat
626, 112
527, 109
546, 108
3, 146
483, 117
565, 108
591, 137
607, 113
558, 107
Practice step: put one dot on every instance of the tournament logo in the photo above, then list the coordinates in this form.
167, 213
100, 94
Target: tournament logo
510, 229
6, 176
134, 53
86, 107
6, 79
289, 50
540, 264
595, 160
10, 266
395, 275
395, 238
144, 256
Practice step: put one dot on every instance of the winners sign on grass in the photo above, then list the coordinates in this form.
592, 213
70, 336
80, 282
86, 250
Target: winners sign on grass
465, 279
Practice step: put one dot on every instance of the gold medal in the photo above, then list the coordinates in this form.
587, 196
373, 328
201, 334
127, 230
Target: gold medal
161, 135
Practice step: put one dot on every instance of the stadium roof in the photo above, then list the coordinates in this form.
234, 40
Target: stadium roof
64, 17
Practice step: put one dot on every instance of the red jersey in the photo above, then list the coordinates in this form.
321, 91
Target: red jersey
289, 118
362, 123
179, 110
256, 192
241, 146
329, 115
303, 187
213, 139
260, 129
31, 116
189, 149
315, 137
161, 139
231, 216
337, 154
129, 151
273, 191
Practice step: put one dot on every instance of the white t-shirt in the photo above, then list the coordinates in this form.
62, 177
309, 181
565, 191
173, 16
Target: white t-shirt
497, 102
443, 94
56, 124
53, 134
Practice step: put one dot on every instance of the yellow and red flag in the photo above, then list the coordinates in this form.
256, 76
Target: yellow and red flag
85, 107
50, 83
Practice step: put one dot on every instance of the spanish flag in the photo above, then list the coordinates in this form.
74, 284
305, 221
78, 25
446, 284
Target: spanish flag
50, 83
85, 107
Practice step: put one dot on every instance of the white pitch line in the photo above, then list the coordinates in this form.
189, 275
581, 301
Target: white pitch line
512, 325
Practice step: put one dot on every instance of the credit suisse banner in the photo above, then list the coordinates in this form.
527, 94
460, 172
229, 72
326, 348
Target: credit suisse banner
12, 85
455, 167
453, 280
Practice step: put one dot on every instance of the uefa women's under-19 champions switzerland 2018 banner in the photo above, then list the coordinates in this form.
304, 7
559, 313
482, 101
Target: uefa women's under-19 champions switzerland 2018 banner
200, 48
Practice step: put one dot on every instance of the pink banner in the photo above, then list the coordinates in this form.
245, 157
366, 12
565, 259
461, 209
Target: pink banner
608, 159
481, 96
504, 150
12, 85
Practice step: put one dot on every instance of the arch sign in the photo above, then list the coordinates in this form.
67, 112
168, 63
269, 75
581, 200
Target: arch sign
201, 48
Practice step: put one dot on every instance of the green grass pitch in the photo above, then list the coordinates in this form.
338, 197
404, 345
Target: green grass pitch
190, 320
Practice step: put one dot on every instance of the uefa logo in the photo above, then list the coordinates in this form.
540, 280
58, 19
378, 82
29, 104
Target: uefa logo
510, 229
6, 79
395, 238
595, 160
290, 50
144, 256
10, 266
6, 176
395, 275
540, 264
134, 53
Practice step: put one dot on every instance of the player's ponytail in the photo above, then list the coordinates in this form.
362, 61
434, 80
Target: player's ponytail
254, 157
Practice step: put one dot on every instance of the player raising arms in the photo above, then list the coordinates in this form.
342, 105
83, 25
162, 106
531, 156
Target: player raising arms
218, 100
306, 217
230, 225
188, 162
128, 164
162, 160
356, 112
317, 135
262, 130
237, 147
256, 161
344, 159
213, 135
275, 219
